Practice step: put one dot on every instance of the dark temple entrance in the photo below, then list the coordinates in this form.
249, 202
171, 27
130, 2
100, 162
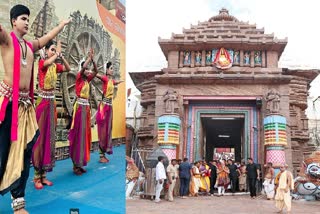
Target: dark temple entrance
223, 137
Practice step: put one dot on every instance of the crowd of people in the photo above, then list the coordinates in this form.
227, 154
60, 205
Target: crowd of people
183, 179
27, 129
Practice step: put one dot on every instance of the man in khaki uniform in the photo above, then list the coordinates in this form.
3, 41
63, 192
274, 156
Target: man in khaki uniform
176, 191
172, 173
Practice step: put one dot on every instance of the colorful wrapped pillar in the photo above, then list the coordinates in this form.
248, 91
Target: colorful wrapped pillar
275, 138
168, 134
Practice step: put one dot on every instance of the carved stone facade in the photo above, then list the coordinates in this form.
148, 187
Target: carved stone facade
236, 92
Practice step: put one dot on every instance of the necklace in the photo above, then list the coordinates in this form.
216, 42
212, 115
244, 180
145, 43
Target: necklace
24, 53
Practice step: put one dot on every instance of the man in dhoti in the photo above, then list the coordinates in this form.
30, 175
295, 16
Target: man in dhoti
269, 182
283, 197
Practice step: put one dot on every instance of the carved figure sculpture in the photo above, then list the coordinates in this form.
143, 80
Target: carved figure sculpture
208, 57
236, 57
187, 58
170, 98
273, 101
246, 58
257, 57
198, 57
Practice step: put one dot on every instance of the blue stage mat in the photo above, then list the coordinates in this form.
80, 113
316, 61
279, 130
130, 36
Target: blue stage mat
100, 190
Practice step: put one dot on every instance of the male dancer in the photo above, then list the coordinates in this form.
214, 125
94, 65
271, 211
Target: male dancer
18, 125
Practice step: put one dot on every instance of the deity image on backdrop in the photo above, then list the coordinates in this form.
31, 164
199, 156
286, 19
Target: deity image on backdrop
236, 57
208, 58
222, 59
198, 58
257, 57
246, 58
187, 58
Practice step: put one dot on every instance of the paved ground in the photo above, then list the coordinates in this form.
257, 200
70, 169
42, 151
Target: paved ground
212, 204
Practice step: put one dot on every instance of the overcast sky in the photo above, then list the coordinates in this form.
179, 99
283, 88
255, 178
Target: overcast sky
149, 19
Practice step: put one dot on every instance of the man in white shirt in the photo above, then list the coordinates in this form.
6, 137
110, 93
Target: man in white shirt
160, 177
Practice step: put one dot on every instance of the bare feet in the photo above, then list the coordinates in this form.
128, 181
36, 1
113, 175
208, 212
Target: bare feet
21, 211
104, 160
46, 182
77, 171
83, 170
37, 184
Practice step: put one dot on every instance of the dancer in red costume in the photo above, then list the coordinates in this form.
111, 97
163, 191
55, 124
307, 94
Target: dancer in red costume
105, 113
43, 153
80, 132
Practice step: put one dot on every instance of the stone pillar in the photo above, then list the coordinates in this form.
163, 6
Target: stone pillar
168, 134
275, 139
192, 59
241, 58
263, 59
252, 59
203, 59
181, 59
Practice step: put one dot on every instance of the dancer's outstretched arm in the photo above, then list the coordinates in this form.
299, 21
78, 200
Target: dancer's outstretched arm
4, 37
42, 41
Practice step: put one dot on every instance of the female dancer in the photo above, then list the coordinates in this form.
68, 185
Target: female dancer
80, 132
43, 152
104, 114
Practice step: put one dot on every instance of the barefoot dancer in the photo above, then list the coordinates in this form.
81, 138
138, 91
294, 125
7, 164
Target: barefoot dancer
18, 125
43, 155
105, 115
80, 132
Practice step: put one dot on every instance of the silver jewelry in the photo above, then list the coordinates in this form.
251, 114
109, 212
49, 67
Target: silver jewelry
24, 54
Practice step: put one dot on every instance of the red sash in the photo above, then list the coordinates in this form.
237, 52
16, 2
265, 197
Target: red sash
16, 85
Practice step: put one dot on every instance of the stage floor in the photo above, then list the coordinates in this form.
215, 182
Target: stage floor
100, 190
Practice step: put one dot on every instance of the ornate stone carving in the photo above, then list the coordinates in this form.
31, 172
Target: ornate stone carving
273, 102
307, 184
170, 98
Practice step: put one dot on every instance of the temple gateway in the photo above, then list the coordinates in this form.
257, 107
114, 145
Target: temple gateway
223, 95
